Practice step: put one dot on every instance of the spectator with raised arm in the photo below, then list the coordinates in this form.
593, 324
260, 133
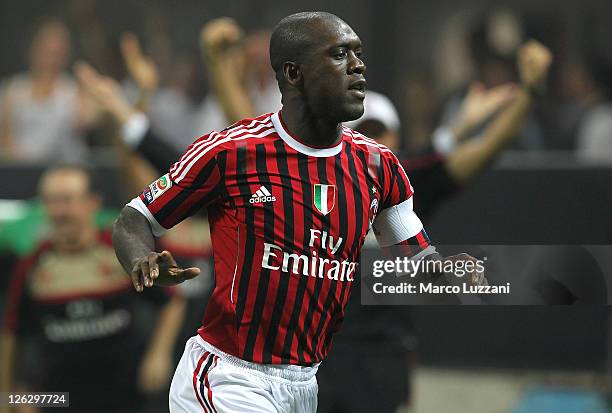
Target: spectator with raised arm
241, 78
453, 160
191, 239
42, 114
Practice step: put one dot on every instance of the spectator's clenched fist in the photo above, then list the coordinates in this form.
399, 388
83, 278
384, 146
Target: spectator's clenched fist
219, 35
533, 63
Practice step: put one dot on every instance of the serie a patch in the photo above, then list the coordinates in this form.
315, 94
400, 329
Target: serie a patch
157, 188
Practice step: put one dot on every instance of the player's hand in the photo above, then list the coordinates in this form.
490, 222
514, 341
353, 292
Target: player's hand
105, 91
219, 35
474, 277
154, 372
159, 269
534, 60
141, 68
479, 104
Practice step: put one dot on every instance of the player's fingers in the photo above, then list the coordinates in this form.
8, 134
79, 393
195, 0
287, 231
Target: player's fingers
481, 271
153, 265
167, 258
189, 273
478, 278
146, 276
136, 276
459, 257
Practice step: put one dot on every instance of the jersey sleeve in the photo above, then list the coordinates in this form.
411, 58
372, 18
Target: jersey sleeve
397, 223
194, 182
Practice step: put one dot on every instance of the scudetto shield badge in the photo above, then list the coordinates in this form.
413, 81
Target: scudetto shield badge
324, 198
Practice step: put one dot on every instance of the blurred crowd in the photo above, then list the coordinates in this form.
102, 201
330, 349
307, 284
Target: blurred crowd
45, 115
142, 100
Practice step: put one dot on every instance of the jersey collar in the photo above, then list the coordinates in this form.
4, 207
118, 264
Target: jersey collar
300, 147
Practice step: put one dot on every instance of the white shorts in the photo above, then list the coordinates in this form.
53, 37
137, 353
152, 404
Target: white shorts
211, 381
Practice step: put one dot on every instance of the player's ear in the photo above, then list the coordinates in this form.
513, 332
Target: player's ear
292, 73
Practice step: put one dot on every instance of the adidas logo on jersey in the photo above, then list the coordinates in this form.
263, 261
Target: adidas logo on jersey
262, 195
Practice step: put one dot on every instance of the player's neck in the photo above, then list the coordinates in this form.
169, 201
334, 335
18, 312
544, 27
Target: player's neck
312, 131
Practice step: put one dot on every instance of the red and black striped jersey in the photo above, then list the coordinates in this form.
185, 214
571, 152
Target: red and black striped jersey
287, 224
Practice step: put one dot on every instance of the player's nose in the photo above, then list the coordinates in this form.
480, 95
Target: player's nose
356, 65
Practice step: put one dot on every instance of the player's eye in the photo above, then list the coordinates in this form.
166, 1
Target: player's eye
340, 54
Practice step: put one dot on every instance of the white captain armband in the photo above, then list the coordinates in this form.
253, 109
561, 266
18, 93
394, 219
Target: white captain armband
396, 224
139, 206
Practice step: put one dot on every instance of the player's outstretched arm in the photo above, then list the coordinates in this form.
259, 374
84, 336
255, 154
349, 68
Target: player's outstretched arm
435, 273
134, 245
400, 233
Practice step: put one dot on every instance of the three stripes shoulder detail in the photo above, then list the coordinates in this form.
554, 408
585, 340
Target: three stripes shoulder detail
361, 139
257, 128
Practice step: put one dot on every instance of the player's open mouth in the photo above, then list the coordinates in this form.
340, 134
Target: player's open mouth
358, 88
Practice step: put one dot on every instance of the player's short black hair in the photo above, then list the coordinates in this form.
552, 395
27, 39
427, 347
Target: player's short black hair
293, 36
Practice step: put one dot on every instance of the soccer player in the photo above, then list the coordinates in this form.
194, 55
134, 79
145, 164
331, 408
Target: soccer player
290, 198
436, 177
